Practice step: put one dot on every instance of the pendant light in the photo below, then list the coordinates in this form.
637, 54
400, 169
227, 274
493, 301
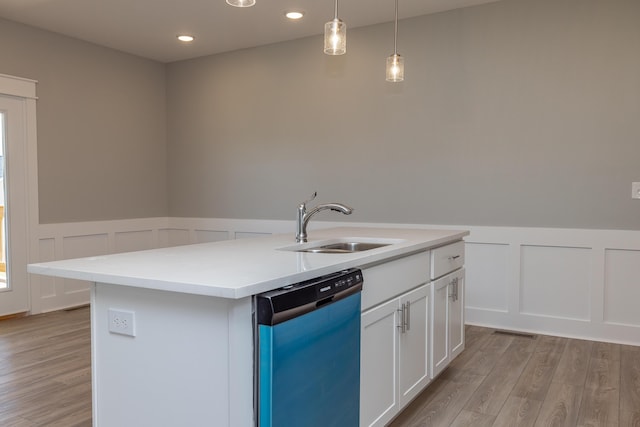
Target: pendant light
395, 62
241, 3
335, 35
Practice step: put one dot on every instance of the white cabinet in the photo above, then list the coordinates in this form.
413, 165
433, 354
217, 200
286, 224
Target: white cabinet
378, 365
394, 363
412, 327
413, 348
445, 259
447, 327
456, 314
447, 305
439, 326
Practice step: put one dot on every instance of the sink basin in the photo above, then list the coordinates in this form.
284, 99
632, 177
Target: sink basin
344, 247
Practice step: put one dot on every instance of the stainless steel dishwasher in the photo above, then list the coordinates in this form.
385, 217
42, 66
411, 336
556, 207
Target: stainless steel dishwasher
308, 353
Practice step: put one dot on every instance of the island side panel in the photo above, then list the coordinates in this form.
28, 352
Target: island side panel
178, 368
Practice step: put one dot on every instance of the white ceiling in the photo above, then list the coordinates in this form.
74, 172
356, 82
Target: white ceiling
148, 28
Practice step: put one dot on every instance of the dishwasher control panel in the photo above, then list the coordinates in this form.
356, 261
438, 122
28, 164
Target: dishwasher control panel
281, 304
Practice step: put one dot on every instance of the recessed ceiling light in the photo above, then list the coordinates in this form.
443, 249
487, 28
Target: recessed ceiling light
294, 15
185, 38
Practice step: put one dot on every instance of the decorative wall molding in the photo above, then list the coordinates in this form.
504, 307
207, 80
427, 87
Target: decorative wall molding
18, 86
72, 240
567, 282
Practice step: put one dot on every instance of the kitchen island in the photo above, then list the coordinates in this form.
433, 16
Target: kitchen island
172, 328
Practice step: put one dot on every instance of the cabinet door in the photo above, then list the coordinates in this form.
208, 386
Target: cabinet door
378, 372
413, 367
439, 325
456, 314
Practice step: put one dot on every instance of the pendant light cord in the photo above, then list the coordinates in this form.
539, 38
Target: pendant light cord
395, 35
336, 15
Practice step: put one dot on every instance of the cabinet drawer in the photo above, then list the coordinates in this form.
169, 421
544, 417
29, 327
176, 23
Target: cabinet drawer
385, 281
446, 259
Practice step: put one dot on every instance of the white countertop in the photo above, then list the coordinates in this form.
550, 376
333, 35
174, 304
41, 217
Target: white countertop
244, 267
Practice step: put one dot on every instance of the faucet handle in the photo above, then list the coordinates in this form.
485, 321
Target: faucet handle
313, 196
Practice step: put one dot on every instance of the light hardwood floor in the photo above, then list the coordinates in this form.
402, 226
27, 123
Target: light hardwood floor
504, 380
499, 380
45, 370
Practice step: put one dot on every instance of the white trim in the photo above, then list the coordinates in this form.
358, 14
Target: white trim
17, 86
24, 91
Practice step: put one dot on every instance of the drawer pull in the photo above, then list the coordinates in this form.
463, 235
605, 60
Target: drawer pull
454, 257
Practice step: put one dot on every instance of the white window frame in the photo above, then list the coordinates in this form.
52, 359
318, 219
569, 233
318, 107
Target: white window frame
27, 218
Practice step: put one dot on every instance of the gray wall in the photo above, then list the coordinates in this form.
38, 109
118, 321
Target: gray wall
101, 126
521, 112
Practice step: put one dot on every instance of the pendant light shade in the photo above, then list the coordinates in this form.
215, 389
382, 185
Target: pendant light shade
395, 68
241, 3
395, 62
335, 35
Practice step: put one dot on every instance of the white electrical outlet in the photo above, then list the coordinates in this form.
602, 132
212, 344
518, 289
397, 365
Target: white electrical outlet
635, 190
122, 322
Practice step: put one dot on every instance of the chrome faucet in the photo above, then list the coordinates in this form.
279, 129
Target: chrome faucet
304, 216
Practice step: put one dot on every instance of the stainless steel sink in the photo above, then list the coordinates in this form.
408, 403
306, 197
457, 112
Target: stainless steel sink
344, 247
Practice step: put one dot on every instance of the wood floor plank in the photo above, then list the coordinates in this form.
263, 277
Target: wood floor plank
411, 415
603, 374
606, 350
472, 419
599, 408
68, 407
518, 412
15, 421
496, 387
560, 407
482, 359
630, 384
629, 419
475, 334
601, 396
536, 377
444, 406
572, 368
45, 376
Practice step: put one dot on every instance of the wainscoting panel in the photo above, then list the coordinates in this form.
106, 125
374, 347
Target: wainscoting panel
555, 282
204, 236
83, 246
567, 282
47, 253
488, 264
129, 241
622, 287
173, 237
75, 240
248, 235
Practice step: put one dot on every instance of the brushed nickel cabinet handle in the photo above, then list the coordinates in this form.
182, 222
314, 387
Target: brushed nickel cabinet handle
402, 325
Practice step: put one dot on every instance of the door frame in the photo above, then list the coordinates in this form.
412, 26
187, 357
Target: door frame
25, 206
